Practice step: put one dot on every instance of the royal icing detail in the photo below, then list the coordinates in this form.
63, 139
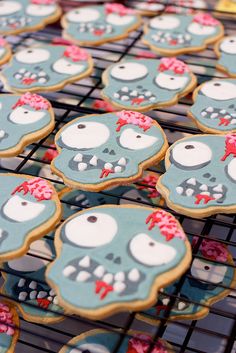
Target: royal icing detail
212, 250
149, 182
37, 187
141, 344
3, 42
119, 9
205, 19
173, 64
33, 100
6, 320
135, 118
230, 146
50, 154
75, 53
43, 2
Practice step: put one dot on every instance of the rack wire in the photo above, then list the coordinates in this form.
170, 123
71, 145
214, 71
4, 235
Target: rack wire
214, 334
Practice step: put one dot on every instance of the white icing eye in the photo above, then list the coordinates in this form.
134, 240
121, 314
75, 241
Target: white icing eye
40, 10
200, 30
117, 20
191, 154
129, 71
206, 271
164, 22
135, 140
90, 347
91, 230
171, 82
32, 55
8, 8
85, 135
228, 45
83, 15
21, 210
25, 116
219, 90
63, 66
132, 195
150, 252
231, 169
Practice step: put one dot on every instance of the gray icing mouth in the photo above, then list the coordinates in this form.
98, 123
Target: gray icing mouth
3, 235
85, 269
173, 39
97, 29
28, 77
136, 96
202, 192
225, 118
15, 22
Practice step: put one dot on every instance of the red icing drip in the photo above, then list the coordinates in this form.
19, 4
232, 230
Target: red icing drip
100, 285
28, 81
50, 154
137, 101
204, 198
43, 303
230, 146
224, 122
106, 172
159, 308
98, 32
151, 181
173, 42
100, 104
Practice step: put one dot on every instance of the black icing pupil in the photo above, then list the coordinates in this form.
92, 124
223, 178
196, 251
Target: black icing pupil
25, 112
92, 219
172, 78
29, 51
121, 67
151, 244
138, 137
81, 126
86, 351
24, 203
189, 147
206, 268
217, 84
231, 41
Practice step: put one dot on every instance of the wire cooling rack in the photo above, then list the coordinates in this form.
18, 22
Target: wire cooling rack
214, 334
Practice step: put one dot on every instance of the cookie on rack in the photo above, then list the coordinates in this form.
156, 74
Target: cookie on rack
225, 50
200, 175
9, 328
5, 51
95, 25
176, 34
46, 67
27, 15
30, 209
24, 119
213, 110
101, 151
102, 341
115, 258
147, 84
210, 279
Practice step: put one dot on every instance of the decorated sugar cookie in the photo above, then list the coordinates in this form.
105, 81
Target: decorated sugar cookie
17, 16
9, 327
46, 68
147, 8
5, 51
214, 108
147, 84
205, 283
24, 119
100, 151
29, 209
185, 6
102, 341
226, 51
106, 263
95, 25
175, 34
201, 175
25, 283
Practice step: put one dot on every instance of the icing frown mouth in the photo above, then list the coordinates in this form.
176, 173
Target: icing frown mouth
225, 118
136, 96
97, 29
27, 77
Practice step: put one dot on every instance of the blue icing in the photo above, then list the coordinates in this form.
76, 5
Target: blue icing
92, 24
44, 65
139, 84
207, 168
175, 31
118, 255
110, 149
214, 106
227, 52
13, 121
5, 342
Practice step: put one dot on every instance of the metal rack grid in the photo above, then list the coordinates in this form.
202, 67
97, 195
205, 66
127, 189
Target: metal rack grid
214, 334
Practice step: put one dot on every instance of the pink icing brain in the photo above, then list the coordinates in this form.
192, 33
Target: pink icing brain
212, 250
33, 100
173, 64
44, 2
6, 319
37, 187
2, 42
75, 53
205, 19
135, 118
141, 344
118, 9
149, 182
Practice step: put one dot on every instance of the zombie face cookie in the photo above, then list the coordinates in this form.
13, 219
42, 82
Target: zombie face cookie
27, 15
9, 331
107, 264
201, 175
147, 84
226, 51
24, 119
5, 51
101, 341
46, 68
175, 34
99, 151
94, 25
214, 109
29, 209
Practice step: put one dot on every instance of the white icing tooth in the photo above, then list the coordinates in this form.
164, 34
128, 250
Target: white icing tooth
85, 262
205, 193
2, 133
55, 300
27, 74
108, 278
191, 181
217, 196
50, 299
122, 161
22, 70
42, 294
52, 292
218, 187
21, 282
78, 157
227, 117
33, 76
18, 76
203, 114
22, 296
93, 161
83, 276
179, 190
41, 73
148, 94
85, 202
68, 270
210, 110
233, 115
42, 80
214, 115
118, 169
73, 207
33, 285
203, 187
33, 295
125, 89
152, 99
120, 277
165, 301
134, 275
133, 93
141, 96
119, 287
233, 121
125, 98
99, 271
223, 111
116, 95
80, 197
82, 166
181, 305
108, 166
189, 192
